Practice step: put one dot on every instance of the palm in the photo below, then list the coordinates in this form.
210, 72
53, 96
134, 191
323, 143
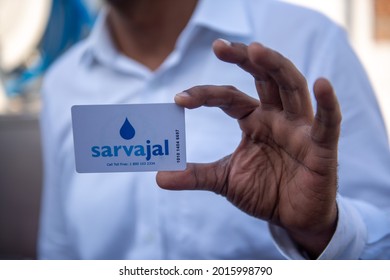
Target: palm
277, 173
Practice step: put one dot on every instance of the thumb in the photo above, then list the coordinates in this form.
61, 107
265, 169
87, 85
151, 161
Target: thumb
209, 176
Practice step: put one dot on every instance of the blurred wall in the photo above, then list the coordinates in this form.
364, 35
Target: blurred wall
20, 186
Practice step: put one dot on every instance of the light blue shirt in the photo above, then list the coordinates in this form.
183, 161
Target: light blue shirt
127, 216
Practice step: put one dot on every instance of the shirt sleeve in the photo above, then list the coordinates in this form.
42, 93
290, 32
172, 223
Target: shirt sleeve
363, 232
363, 229
347, 242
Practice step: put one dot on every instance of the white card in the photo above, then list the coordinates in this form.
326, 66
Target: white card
125, 138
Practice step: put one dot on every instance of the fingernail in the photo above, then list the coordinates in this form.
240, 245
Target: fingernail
226, 42
182, 94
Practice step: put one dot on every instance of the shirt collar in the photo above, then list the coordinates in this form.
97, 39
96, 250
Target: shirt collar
228, 17
225, 16
99, 45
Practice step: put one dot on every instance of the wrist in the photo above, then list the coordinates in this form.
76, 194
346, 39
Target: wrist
313, 241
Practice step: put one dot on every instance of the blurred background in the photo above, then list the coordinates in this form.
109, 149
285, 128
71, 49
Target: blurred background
368, 25
33, 33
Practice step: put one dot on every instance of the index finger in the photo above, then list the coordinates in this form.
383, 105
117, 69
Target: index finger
233, 102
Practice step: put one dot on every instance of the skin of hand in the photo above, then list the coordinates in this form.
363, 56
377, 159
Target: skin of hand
284, 170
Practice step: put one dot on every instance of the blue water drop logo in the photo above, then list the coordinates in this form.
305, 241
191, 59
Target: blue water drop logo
127, 130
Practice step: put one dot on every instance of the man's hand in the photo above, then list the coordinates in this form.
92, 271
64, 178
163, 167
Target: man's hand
284, 170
